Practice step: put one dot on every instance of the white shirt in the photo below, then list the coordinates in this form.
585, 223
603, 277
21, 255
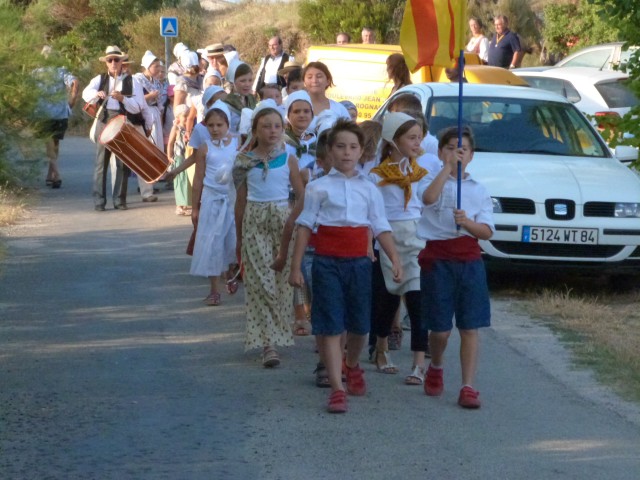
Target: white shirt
430, 144
481, 44
437, 222
430, 162
133, 104
393, 196
336, 200
337, 108
270, 70
220, 157
272, 188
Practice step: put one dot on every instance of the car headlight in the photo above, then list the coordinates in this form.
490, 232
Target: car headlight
622, 210
497, 206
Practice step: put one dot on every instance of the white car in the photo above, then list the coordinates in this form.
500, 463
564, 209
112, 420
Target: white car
559, 195
599, 93
605, 56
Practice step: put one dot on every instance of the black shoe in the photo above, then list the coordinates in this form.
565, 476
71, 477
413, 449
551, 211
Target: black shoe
150, 199
99, 208
122, 206
56, 183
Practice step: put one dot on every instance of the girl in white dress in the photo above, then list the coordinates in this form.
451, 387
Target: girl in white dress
212, 214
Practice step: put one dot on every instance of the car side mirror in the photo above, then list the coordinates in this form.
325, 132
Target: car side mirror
626, 154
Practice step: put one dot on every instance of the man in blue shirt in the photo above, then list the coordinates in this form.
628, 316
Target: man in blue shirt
504, 49
56, 97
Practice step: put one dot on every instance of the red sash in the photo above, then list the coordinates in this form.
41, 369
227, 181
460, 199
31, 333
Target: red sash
342, 241
463, 249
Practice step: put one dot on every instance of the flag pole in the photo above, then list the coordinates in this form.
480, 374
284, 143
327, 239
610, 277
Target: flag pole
459, 176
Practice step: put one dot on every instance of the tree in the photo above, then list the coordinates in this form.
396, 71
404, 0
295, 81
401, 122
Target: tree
522, 19
625, 15
19, 56
323, 19
572, 26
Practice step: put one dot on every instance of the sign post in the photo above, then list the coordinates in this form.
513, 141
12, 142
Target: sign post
168, 29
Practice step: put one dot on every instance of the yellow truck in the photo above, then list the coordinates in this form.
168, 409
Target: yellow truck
359, 73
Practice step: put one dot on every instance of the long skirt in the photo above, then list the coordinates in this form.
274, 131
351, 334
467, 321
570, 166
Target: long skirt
408, 246
215, 246
268, 296
181, 185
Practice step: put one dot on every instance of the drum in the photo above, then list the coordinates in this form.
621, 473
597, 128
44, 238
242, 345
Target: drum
134, 149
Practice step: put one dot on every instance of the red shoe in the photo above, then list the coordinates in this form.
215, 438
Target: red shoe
469, 398
356, 385
434, 381
337, 402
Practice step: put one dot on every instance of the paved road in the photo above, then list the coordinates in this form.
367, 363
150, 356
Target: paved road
111, 368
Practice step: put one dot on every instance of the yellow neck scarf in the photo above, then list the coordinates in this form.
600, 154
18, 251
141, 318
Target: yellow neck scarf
402, 174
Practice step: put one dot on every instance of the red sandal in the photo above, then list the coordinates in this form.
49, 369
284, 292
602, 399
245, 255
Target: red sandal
337, 402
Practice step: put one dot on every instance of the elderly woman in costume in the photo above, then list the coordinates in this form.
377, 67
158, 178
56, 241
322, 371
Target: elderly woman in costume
154, 93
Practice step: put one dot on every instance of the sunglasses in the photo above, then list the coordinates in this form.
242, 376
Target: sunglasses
111, 60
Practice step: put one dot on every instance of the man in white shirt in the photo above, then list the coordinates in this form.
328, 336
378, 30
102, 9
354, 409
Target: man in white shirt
274, 61
119, 94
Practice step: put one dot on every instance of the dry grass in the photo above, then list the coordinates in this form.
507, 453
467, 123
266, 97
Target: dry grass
13, 203
605, 330
249, 26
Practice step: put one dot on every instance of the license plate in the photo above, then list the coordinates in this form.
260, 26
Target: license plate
584, 236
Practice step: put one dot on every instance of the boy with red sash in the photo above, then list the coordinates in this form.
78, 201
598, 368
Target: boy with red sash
452, 278
345, 206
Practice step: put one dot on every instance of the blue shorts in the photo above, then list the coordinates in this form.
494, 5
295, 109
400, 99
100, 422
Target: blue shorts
455, 288
341, 295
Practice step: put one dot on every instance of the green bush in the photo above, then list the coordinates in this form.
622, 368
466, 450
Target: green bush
323, 19
572, 26
19, 56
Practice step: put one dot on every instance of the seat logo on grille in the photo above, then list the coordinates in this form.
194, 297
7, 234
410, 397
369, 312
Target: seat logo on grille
560, 209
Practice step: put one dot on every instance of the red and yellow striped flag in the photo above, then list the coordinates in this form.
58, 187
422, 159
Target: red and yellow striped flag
433, 32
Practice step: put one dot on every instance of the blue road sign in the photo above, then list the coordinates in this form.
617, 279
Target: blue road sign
168, 26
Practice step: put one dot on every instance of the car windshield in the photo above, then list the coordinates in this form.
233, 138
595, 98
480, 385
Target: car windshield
616, 94
515, 125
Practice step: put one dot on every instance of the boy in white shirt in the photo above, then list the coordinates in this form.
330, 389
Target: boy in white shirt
345, 206
452, 278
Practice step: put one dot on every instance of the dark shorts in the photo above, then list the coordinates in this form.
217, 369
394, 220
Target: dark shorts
455, 288
341, 295
52, 128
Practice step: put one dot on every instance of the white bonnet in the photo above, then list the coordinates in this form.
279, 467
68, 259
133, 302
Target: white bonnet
147, 59
392, 122
189, 59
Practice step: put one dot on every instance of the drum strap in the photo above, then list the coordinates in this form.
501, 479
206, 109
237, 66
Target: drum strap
127, 90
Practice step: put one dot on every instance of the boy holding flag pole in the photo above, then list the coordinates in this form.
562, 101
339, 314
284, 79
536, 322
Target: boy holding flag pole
453, 279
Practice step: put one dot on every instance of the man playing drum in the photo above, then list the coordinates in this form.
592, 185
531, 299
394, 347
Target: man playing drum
118, 94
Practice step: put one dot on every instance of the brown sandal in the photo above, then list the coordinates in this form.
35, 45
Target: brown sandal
212, 300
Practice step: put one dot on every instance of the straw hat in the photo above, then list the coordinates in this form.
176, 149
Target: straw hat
214, 49
392, 122
289, 66
112, 51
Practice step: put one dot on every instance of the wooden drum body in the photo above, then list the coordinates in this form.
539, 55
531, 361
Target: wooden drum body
134, 149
